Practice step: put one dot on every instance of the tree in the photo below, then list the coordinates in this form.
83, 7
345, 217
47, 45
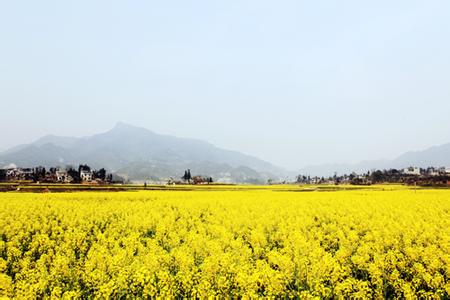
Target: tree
84, 168
377, 176
74, 174
336, 179
2, 175
187, 176
100, 174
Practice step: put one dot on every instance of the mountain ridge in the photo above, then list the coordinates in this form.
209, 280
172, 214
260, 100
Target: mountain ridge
125, 147
434, 156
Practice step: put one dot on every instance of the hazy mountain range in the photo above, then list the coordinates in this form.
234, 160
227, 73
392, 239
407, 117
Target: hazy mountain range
140, 154
436, 156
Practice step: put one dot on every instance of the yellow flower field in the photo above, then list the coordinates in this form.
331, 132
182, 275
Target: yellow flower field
249, 243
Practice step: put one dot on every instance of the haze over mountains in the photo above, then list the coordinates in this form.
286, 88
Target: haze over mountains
140, 154
436, 156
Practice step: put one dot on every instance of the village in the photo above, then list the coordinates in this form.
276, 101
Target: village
430, 176
84, 174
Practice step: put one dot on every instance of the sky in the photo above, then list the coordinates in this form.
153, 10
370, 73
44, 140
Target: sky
296, 83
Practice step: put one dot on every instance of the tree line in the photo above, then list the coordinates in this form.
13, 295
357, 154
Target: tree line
421, 176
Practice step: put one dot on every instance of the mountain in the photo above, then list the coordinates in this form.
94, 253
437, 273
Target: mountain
140, 154
436, 156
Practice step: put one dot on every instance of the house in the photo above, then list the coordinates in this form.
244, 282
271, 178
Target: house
86, 175
412, 171
15, 174
433, 172
63, 176
12, 174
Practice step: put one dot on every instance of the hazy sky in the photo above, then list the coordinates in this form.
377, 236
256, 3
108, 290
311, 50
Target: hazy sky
293, 82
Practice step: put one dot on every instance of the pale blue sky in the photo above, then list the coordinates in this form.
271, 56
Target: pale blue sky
293, 82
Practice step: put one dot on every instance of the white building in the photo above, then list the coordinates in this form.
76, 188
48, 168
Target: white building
63, 176
411, 171
433, 172
86, 175
19, 173
12, 174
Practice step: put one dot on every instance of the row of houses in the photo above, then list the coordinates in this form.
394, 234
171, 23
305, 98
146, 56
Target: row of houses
63, 176
430, 171
11, 174
411, 175
84, 174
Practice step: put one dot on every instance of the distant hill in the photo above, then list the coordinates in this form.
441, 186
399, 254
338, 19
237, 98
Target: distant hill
436, 156
140, 154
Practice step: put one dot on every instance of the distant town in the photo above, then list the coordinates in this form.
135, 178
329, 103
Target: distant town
413, 175
84, 174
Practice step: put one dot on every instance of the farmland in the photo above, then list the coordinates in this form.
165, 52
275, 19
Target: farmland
287, 241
